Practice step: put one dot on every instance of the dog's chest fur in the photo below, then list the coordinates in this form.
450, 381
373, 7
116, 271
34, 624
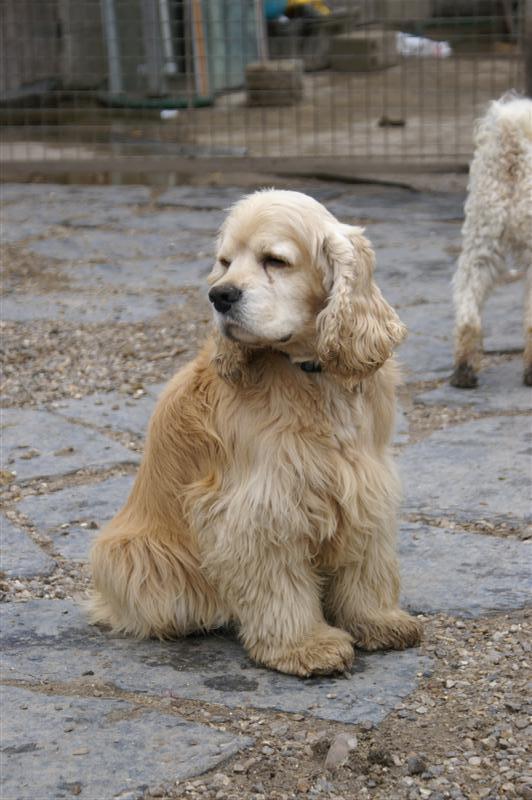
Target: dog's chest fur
296, 452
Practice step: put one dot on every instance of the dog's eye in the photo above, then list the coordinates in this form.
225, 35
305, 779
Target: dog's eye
273, 261
225, 263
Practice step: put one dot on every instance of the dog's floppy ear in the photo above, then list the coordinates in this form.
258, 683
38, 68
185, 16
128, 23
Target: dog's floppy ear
231, 360
357, 330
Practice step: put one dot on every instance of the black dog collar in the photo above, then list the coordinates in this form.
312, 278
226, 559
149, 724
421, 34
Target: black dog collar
310, 366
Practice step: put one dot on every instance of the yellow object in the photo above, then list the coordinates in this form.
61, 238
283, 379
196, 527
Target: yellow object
319, 5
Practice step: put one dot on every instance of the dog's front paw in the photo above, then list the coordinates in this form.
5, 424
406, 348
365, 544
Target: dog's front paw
323, 651
527, 375
394, 630
464, 377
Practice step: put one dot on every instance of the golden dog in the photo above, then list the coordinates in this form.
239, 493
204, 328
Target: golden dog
267, 495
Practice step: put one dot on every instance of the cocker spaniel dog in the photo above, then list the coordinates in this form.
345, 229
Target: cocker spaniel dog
267, 495
498, 222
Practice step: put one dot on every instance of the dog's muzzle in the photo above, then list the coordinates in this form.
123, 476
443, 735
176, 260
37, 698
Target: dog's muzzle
224, 297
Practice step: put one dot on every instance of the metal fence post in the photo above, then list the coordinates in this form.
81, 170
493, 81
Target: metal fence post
527, 46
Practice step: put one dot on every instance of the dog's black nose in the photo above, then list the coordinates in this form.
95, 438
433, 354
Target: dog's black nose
223, 297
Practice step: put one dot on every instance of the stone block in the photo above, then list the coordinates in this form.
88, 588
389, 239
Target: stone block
274, 83
73, 516
462, 574
20, 557
59, 746
54, 637
474, 471
38, 444
362, 51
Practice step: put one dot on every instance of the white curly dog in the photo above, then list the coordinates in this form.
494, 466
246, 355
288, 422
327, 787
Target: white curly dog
498, 223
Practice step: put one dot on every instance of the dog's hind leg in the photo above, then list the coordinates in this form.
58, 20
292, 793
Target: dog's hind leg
478, 270
149, 585
527, 373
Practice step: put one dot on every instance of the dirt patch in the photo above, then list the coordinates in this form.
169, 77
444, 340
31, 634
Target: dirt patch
24, 271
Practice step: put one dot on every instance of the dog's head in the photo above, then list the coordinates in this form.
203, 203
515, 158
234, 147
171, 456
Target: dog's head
289, 276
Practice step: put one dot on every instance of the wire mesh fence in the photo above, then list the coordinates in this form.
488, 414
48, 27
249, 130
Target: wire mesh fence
377, 81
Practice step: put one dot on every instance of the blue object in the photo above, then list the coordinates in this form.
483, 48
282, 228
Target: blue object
274, 8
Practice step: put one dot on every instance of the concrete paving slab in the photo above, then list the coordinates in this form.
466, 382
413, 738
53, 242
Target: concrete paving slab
146, 274
110, 410
222, 197
427, 352
53, 639
58, 746
14, 233
110, 246
176, 220
204, 197
96, 215
38, 444
72, 517
503, 318
402, 427
54, 192
463, 574
20, 557
477, 470
424, 358
399, 204
500, 388
72, 212
87, 308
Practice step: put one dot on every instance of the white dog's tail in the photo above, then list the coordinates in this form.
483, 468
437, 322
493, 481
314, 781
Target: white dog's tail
508, 119
503, 137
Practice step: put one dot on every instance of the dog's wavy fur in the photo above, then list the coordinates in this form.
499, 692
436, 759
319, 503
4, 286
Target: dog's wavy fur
498, 223
267, 495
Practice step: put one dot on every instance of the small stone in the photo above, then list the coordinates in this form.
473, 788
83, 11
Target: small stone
378, 755
341, 746
475, 761
421, 710
322, 785
82, 751
239, 767
279, 729
415, 765
220, 780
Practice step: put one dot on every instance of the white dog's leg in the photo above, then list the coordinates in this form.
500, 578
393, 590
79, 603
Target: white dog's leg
473, 280
527, 374
274, 595
363, 598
